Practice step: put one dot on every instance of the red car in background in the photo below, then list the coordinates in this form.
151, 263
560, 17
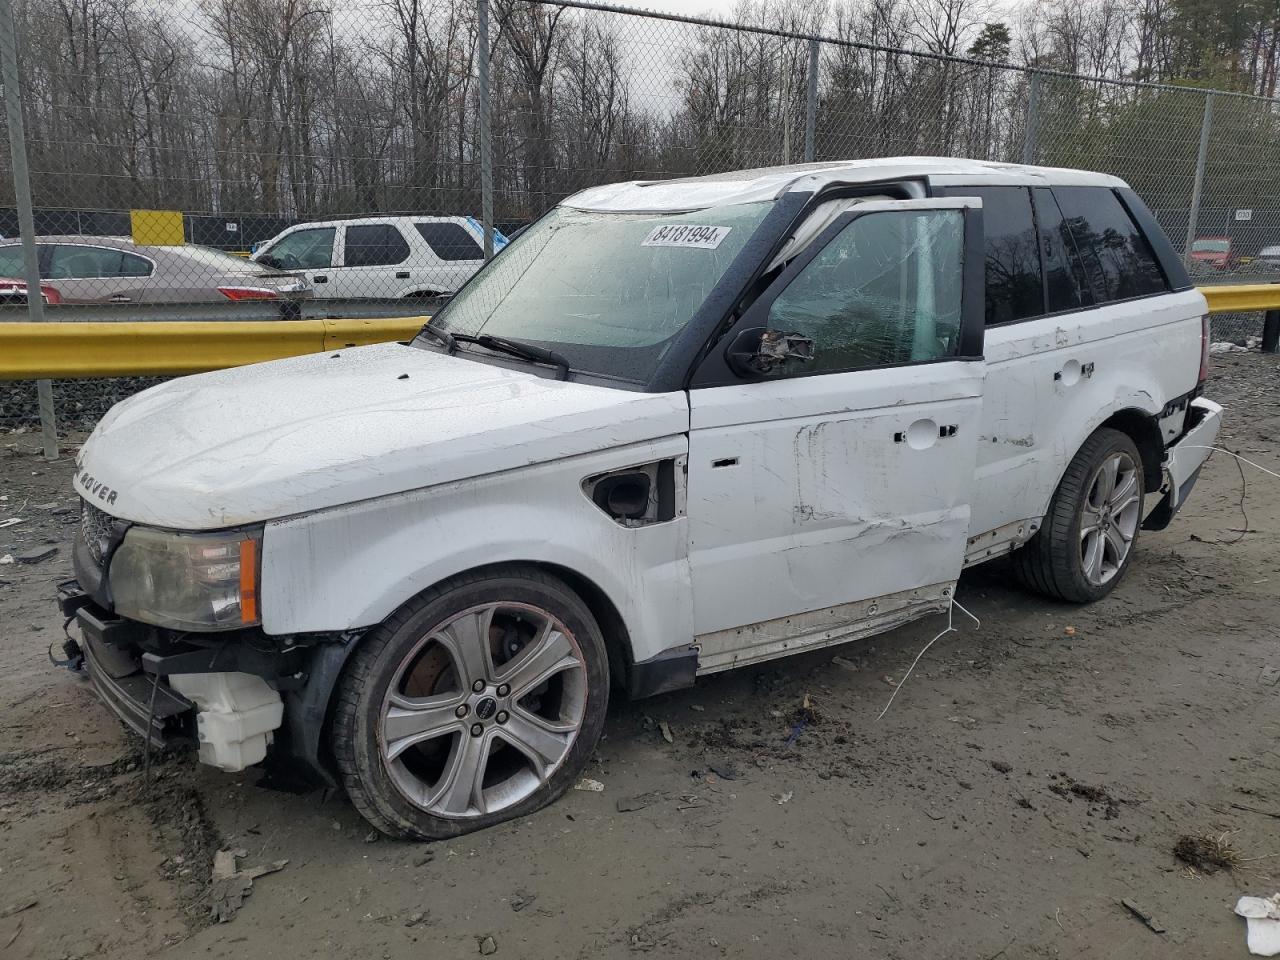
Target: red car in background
1214, 252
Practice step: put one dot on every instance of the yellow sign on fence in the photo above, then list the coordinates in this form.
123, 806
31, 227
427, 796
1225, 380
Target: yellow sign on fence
157, 228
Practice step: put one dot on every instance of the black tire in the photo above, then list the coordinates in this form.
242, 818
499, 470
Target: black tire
358, 714
1051, 562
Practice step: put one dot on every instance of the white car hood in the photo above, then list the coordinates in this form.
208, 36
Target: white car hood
276, 439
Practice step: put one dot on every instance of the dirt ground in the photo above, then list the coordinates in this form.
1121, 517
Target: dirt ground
1034, 772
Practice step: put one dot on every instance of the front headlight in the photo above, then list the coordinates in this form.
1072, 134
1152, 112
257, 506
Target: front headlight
188, 581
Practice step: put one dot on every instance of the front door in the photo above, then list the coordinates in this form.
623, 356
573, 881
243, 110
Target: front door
829, 497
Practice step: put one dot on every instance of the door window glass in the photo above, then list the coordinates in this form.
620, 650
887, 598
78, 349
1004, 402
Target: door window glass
84, 263
450, 241
374, 245
885, 291
1063, 273
11, 265
1015, 290
132, 265
1117, 257
303, 250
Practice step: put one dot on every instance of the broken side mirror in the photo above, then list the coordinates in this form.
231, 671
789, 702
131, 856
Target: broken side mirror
757, 352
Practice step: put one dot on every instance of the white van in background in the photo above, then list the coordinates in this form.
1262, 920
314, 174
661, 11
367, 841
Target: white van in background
380, 257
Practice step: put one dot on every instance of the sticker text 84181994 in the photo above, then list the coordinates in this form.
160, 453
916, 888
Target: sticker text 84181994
686, 235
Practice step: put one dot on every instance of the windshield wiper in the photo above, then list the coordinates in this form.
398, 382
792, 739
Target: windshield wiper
518, 348
444, 336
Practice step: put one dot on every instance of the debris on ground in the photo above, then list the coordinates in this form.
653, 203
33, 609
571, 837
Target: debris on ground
522, 900
37, 554
488, 946
589, 785
1263, 917
26, 903
1207, 853
632, 804
845, 664
665, 729
230, 885
999, 766
725, 771
781, 798
10, 522
1152, 923
1269, 676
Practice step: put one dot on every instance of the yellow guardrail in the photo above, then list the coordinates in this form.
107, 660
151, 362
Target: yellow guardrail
33, 351
1242, 297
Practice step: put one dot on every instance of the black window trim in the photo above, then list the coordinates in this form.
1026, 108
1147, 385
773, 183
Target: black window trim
714, 371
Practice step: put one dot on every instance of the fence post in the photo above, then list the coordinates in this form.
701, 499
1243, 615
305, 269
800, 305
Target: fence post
1193, 216
486, 134
811, 103
22, 199
1271, 332
1029, 145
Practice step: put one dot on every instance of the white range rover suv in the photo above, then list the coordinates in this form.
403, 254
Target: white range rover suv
673, 428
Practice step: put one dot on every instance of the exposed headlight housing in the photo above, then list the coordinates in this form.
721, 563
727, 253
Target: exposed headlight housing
188, 581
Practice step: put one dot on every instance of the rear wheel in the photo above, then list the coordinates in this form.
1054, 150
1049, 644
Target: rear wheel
475, 703
1088, 536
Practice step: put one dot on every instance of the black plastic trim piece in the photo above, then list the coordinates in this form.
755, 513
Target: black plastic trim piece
674, 669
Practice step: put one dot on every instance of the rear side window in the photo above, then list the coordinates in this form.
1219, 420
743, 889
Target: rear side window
1063, 273
85, 263
1118, 261
375, 245
1015, 290
450, 241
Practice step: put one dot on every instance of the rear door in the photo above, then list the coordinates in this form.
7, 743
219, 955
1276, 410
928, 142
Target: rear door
830, 499
83, 273
374, 263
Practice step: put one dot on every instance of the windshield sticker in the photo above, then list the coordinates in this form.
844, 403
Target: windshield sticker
686, 235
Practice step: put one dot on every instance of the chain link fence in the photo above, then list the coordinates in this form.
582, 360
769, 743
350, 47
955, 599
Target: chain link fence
254, 159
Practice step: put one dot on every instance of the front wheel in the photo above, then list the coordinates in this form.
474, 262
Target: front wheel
1087, 540
477, 702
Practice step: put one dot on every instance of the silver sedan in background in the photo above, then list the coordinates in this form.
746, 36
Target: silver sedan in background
85, 269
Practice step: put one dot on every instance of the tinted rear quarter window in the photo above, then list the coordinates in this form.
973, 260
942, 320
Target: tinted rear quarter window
374, 245
1013, 279
1118, 261
450, 241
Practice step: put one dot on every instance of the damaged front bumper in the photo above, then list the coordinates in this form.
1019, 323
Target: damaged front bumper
1184, 459
232, 696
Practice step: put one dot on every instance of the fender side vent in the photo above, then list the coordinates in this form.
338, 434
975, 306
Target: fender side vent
636, 496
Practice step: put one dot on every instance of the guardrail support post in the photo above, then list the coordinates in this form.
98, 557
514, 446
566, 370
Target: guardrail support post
811, 103
1030, 147
1271, 332
486, 134
1197, 186
22, 199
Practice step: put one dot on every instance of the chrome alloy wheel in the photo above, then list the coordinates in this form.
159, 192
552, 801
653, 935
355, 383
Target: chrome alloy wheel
483, 710
1109, 520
